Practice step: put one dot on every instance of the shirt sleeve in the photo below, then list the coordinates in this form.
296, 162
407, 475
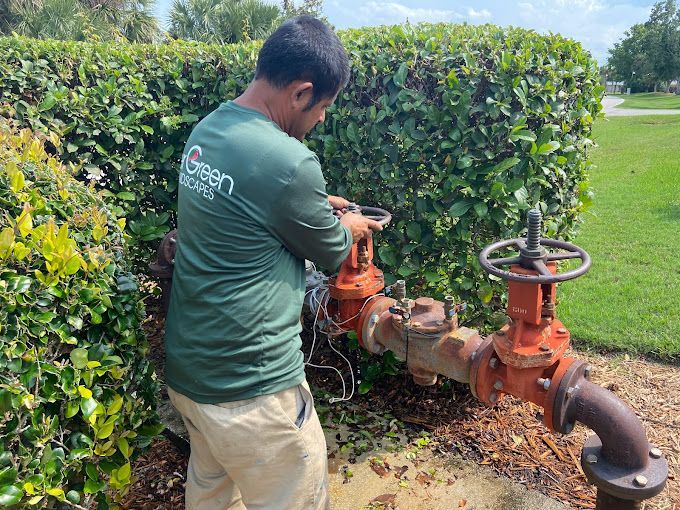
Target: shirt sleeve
303, 219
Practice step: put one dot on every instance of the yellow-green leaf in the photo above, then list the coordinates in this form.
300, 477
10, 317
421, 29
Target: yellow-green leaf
35, 499
21, 250
25, 221
98, 232
105, 430
73, 265
115, 405
6, 242
124, 472
84, 392
124, 447
57, 493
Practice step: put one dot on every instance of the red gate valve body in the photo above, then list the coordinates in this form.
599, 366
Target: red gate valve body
358, 279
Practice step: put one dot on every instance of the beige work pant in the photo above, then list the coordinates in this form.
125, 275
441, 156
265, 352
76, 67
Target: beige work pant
251, 455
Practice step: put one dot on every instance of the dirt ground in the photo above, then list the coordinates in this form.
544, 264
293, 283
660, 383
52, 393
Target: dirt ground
444, 423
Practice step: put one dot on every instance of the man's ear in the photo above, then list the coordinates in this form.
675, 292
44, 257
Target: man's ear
301, 94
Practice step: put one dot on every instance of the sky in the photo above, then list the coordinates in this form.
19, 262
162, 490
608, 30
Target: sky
597, 24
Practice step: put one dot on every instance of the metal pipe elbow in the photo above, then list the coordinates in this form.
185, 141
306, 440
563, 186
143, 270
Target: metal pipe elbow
618, 458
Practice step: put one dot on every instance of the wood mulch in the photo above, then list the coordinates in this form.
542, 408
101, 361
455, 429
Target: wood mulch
508, 438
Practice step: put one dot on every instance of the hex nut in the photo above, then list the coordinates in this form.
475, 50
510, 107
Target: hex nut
543, 382
493, 398
498, 385
591, 459
562, 331
493, 362
570, 391
655, 453
640, 480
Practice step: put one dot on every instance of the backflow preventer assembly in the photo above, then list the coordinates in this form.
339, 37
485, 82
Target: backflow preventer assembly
525, 358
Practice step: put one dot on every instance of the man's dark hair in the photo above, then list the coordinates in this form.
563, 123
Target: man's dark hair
304, 48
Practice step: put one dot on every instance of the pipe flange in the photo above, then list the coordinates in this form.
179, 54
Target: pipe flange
482, 356
369, 321
563, 414
623, 483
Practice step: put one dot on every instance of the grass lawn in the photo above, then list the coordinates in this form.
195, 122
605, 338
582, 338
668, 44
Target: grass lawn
630, 298
659, 100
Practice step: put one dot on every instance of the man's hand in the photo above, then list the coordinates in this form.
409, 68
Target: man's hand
359, 225
338, 203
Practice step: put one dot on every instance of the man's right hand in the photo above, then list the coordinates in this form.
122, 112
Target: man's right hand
359, 225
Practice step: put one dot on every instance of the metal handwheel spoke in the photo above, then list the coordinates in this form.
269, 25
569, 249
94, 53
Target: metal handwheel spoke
564, 256
540, 266
505, 261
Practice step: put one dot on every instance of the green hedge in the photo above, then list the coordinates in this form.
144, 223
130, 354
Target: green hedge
457, 129
77, 395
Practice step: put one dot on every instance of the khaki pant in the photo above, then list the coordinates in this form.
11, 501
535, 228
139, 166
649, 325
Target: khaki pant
250, 454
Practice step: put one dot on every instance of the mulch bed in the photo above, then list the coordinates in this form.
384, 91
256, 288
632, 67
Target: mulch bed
508, 438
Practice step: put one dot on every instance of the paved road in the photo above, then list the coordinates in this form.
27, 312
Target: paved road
610, 110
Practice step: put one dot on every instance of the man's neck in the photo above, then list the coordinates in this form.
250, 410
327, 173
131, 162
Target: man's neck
260, 96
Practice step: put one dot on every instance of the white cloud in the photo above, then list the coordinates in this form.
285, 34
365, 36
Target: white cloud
376, 12
472, 13
597, 24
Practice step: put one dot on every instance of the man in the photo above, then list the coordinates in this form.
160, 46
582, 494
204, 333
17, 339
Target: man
252, 207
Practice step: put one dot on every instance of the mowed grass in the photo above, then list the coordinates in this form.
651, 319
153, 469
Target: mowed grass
630, 298
649, 100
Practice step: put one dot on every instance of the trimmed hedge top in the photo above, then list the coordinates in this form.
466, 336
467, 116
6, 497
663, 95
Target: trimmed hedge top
77, 395
456, 129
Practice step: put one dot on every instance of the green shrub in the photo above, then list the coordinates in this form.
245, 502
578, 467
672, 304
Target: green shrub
457, 129
76, 392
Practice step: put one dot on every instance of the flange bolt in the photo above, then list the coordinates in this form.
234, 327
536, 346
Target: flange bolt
588, 371
655, 453
449, 307
640, 480
400, 290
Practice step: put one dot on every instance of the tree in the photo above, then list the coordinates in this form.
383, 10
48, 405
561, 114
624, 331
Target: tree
650, 51
663, 41
311, 7
80, 19
222, 21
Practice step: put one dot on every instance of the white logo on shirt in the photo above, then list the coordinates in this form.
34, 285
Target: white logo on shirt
200, 177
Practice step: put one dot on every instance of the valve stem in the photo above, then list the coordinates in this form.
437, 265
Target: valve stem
534, 220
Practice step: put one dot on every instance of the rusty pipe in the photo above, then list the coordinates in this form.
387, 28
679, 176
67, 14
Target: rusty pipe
624, 442
429, 343
618, 458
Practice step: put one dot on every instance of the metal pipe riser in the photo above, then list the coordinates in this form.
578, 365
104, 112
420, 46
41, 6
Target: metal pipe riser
608, 502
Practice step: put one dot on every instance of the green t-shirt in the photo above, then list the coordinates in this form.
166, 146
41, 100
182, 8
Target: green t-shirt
252, 207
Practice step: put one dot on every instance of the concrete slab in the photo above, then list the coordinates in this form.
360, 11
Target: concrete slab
424, 481
429, 483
